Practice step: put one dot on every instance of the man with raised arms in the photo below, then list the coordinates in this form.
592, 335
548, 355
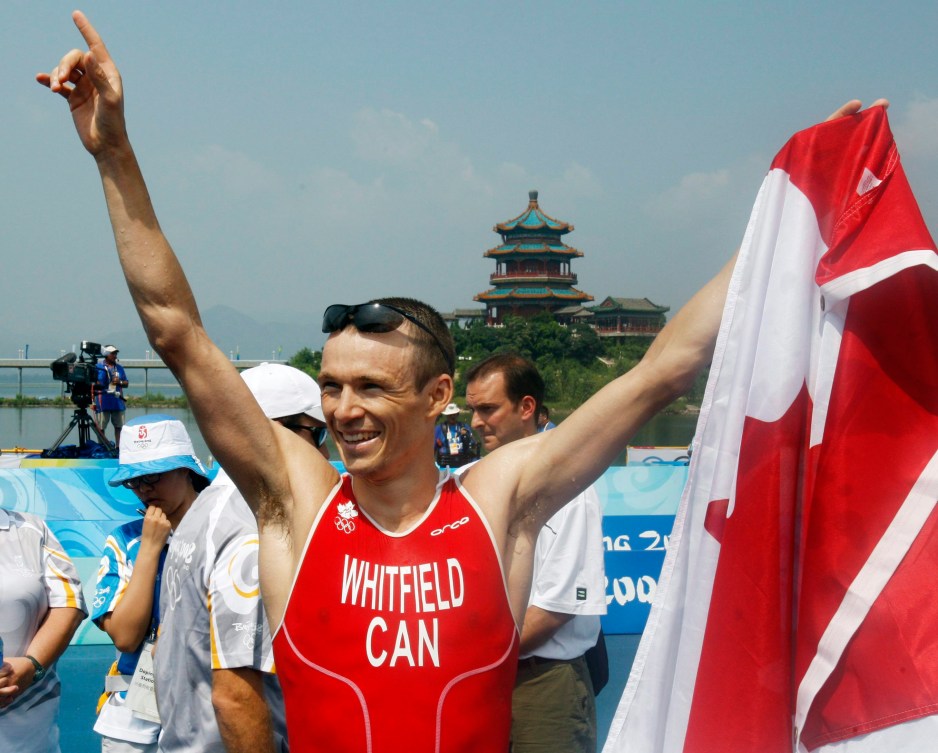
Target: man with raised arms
399, 630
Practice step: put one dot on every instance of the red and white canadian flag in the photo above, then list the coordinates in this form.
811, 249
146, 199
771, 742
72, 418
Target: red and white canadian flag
797, 607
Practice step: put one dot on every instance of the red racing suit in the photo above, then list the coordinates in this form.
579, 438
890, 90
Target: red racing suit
398, 641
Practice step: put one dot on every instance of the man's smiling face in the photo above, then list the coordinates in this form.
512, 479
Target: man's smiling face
380, 420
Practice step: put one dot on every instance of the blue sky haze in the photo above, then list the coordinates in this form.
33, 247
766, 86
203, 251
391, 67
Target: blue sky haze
306, 153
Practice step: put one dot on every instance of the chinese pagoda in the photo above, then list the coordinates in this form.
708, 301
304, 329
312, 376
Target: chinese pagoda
532, 267
616, 317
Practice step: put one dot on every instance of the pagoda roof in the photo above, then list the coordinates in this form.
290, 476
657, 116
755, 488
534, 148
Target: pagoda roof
533, 293
533, 249
611, 304
533, 218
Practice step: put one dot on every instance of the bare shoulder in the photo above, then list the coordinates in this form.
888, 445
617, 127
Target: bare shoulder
309, 483
286, 521
484, 480
495, 481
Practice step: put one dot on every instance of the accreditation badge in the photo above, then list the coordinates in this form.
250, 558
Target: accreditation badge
141, 696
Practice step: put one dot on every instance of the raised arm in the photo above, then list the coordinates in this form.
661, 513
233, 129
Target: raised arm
533, 477
591, 438
235, 429
539, 474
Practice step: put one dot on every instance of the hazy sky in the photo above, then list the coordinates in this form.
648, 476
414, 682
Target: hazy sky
306, 153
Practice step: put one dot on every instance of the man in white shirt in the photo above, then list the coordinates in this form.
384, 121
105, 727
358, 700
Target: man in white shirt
553, 707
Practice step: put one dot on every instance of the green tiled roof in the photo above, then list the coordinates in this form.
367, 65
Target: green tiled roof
533, 249
612, 304
533, 219
529, 293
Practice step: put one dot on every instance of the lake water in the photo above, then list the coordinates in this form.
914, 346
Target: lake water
39, 427
38, 382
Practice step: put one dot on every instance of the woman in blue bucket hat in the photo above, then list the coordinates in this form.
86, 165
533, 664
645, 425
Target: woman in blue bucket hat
158, 463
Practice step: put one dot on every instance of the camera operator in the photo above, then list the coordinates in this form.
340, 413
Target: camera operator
109, 403
454, 442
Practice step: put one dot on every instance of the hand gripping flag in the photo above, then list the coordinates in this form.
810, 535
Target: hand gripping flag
797, 607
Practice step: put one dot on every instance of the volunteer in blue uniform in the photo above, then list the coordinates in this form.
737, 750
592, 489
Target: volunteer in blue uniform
109, 397
454, 442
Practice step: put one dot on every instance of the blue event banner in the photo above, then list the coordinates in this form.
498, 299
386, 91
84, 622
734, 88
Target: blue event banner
639, 503
634, 548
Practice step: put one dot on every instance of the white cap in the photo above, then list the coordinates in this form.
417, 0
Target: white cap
154, 444
110, 349
451, 410
283, 391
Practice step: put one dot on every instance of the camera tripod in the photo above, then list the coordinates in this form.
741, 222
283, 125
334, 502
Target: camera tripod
86, 427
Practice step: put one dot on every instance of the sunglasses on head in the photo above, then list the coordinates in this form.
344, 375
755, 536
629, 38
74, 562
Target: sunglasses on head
148, 479
375, 317
318, 433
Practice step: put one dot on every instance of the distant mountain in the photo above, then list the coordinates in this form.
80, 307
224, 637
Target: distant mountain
233, 332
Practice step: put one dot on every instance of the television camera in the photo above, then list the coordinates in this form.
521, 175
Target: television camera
79, 373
